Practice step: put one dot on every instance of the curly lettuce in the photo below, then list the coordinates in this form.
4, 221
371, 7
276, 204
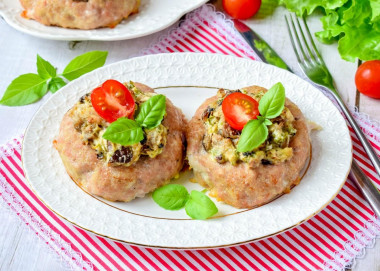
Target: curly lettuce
354, 24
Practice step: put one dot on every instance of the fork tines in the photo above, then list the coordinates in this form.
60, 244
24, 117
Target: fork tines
300, 43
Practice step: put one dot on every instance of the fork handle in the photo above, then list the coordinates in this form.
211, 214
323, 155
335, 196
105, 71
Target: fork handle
367, 146
365, 185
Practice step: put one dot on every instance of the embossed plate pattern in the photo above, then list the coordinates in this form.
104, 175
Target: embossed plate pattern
331, 160
153, 16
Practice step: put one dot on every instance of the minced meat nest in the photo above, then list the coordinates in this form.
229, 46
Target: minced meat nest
92, 127
221, 140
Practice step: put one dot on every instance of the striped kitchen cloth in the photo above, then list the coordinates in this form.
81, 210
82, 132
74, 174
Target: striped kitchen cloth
329, 240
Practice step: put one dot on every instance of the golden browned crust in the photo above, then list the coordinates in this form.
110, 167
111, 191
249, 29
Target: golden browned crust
81, 14
242, 186
119, 183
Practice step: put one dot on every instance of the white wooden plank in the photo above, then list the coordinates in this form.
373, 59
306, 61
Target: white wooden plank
370, 106
20, 249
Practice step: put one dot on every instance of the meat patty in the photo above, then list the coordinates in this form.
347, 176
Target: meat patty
82, 14
241, 185
120, 183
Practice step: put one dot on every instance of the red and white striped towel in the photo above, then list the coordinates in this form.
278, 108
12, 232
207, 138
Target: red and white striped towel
330, 240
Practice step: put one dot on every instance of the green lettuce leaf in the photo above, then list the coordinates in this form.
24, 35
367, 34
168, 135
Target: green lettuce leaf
355, 24
362, 42
375, 6
301, 7
376, 26
357, 14
332, 28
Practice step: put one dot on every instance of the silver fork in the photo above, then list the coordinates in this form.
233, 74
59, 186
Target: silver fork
315, 69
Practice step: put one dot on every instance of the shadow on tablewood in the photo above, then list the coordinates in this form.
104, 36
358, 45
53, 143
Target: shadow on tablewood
357, 97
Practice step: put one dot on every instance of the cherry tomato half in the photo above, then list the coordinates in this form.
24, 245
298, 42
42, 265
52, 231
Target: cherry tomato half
238, 109
112, 100
367, 78
241, 9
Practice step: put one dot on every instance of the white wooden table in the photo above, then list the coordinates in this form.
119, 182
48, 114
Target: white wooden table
20, 249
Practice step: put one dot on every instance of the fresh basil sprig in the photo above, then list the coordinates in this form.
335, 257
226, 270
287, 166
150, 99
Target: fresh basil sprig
175, 197
29, 88
273, 102
151, 113
25, 89
171, 196
128, 132
255, 132
84, 64
253, 135
200, 206
45, 69
124, 131
55, 84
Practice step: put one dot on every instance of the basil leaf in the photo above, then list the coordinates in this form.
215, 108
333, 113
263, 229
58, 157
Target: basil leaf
45, 69
272, 103
264, 120
124, 131
84, 63
25, 89
267, 122
152, 111
254, 133
171, 196
200, 206
55, 84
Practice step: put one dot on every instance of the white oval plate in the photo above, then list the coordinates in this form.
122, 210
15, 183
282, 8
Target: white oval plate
153, 16
188, 79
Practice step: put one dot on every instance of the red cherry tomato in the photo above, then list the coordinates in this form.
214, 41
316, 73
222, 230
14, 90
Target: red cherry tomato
241, 9
367, 78
112, 100
238, 109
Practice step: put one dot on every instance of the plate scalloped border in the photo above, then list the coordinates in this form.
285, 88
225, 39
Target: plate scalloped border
191, 60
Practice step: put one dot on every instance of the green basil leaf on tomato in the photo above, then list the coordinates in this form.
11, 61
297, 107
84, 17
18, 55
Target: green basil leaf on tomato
124, 131
255, 132
152, 111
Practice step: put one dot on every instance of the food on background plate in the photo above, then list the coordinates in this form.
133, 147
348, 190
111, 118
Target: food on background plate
122, 141
248, 167
81, 14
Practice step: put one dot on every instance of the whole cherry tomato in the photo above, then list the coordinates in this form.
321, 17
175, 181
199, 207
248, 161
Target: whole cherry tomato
238, 109
241, 9
367, 78
112, 100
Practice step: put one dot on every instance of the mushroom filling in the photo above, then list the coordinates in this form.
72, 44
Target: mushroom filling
220, 139
92, 127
